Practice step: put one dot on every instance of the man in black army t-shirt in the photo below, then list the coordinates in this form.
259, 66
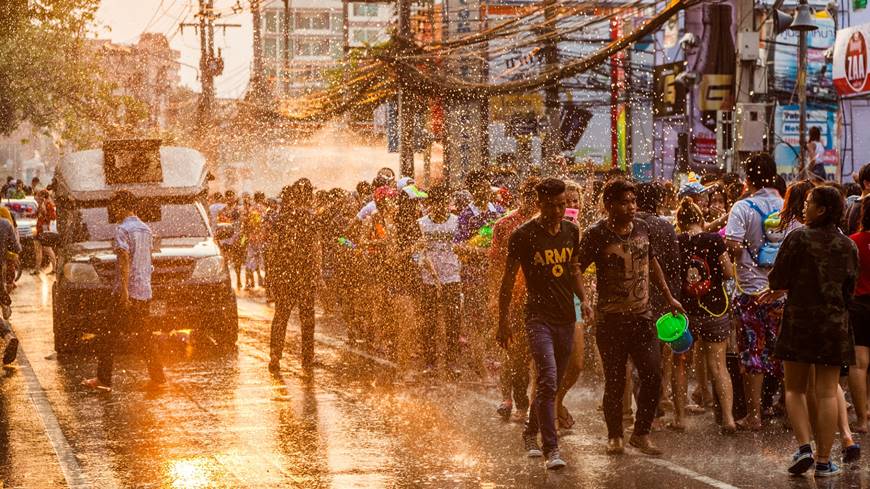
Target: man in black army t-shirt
546, 248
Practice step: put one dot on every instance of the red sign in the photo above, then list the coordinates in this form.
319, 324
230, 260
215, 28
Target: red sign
856, 61
850, 61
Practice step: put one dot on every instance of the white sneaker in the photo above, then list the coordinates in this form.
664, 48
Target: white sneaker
554, 460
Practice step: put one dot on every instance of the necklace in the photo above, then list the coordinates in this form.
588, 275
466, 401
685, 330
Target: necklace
613, 230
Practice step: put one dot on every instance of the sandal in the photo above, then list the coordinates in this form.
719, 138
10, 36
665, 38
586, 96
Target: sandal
679, 428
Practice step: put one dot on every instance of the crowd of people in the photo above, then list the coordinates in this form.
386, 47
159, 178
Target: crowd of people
532, 282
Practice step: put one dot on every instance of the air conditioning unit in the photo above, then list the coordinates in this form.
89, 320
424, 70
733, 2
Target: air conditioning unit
750, 122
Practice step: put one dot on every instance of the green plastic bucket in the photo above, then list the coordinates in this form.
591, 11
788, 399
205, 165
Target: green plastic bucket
670, 328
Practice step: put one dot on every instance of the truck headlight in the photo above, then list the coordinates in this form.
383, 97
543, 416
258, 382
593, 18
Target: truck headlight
81, 273
210, 268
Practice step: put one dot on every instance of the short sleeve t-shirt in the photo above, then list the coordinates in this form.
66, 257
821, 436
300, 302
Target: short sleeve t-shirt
546, 263
621, 267
862, 240
744, 225
438, 239
704, 248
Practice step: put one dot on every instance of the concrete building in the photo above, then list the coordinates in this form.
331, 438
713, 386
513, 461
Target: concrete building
316, 39
147, 71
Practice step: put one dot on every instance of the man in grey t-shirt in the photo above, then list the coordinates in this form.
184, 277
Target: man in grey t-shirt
759, 322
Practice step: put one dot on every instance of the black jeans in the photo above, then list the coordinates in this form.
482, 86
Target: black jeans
620, 336
446, 306
550, 345
285, 302
132, 321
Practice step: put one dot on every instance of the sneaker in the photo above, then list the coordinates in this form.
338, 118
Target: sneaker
852, 453
504, 410
827, 470
532, 447
11, 351
554, 460
801, 462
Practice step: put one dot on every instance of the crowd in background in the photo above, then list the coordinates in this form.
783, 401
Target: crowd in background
776, 295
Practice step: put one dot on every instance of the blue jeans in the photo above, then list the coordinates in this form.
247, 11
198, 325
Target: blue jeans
550, 345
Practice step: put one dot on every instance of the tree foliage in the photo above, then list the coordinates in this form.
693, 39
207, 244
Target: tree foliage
51, 77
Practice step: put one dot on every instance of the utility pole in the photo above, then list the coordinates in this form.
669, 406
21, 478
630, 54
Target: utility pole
406, 111
551, 142
744, 77
803, 24
209, 65
285, 66
258, 85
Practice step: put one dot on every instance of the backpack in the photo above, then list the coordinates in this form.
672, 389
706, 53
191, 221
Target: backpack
697, 279
772, 237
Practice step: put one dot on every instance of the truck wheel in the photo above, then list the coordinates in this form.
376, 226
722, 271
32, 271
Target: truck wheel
223, 327
66, 338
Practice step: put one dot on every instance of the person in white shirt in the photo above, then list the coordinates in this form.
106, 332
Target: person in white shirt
759, 322
442, 284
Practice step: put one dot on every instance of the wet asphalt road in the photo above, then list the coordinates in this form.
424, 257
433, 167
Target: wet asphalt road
355, 421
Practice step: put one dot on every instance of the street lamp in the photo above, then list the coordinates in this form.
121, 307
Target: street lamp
802, 24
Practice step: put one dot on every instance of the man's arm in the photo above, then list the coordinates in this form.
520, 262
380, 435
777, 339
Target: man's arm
662, 284
124, 270
505, 296
577, 268
735, 249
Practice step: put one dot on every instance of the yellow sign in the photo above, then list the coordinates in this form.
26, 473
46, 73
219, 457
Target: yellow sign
503, 107
715, 92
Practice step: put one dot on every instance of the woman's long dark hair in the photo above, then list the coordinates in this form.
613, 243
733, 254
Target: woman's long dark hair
793, 204
832, 200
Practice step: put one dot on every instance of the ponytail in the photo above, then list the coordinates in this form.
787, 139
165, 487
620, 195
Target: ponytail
689, 214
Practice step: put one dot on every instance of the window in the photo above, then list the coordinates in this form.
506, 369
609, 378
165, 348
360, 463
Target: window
366, 36
315, 47
312, 20
270, 47
166, 221
271, 22
365, 10
336, 49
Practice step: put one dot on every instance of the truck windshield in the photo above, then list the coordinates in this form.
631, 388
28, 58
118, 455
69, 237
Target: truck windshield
173, 221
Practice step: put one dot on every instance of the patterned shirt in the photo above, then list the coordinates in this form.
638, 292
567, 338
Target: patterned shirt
134, 237
472, 219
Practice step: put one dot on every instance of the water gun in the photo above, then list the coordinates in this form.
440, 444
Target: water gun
483, 238
346, 242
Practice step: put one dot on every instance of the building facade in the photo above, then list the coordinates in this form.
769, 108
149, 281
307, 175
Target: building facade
148, 71
316, 39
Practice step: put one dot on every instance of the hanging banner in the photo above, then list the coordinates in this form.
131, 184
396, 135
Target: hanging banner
787, 129
850, 61
670, 96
